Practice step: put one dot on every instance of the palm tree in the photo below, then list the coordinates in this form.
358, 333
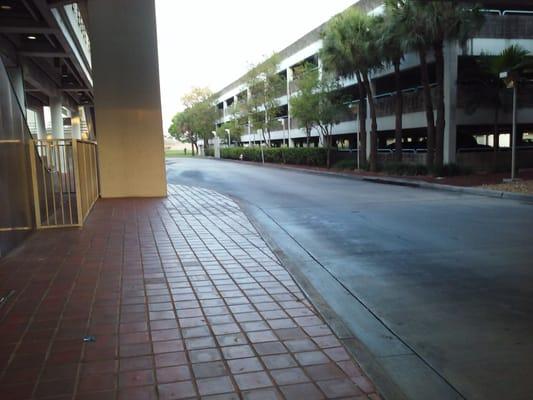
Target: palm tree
390, 43
411, 16
491, 66
447, 21
350, 49
335, 55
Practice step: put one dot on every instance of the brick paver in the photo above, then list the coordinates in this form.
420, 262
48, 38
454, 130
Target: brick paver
177, 298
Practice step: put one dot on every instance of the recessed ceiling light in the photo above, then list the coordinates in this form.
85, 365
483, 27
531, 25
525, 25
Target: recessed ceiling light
5, 7
31, 37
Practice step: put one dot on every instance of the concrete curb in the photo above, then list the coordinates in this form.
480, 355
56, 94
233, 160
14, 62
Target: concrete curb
403, 182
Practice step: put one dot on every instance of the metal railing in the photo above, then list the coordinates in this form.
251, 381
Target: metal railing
65, 181
510, 25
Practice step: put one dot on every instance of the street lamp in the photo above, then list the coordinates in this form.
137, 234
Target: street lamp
229, 136
511, 81
282, 121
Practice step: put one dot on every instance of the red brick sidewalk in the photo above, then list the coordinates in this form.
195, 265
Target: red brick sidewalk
183, 299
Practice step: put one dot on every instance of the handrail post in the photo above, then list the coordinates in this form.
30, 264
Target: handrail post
77, 180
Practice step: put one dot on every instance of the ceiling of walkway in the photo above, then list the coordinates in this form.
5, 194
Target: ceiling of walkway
31, 37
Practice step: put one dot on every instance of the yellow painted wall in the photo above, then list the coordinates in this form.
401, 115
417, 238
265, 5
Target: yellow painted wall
127, 98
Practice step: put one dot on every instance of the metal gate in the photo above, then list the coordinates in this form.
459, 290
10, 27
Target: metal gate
65, 181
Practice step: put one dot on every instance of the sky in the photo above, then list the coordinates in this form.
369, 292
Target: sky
211, 43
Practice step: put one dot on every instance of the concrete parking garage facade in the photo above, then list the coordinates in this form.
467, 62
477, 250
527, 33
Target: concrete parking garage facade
469, 134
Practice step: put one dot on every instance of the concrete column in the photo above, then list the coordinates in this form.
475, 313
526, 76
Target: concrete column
40, 124
56, 114
75, 120
127, 98
88, 118
450, 101
17, 80
216, 142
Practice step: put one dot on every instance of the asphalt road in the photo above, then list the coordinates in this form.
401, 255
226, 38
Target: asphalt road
448, 276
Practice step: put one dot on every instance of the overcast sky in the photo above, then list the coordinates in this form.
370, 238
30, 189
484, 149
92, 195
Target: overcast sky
211, 43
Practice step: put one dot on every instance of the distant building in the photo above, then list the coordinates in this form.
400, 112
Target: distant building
469, 136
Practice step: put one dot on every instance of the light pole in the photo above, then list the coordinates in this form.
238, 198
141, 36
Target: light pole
229, 136
511, 81
282, 121
358, 139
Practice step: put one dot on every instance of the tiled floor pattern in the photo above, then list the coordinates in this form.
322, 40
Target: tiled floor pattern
177, 299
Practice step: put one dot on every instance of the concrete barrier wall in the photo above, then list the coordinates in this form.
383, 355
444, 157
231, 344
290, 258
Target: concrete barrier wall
495, 160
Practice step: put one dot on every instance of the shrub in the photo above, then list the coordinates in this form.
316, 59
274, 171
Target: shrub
405, 169
313, 156
345, 164
452, 169
209, 152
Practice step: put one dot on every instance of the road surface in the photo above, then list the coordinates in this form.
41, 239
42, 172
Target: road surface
434, 289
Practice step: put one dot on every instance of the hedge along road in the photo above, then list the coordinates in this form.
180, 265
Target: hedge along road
436, 287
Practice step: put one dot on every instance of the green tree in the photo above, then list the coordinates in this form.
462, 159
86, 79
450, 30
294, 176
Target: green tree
199, 104
266, 86
428, 25
305, 102
411, 16
181, 129
491, 66
317, 104
350, 49
330, 108
235, 128
391, 47
197, 119
447, 21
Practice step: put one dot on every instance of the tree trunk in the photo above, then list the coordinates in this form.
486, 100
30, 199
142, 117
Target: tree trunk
308, 133
192, 148
328, 143
399, 113
373, 125
428, 104
441, 121
362, 120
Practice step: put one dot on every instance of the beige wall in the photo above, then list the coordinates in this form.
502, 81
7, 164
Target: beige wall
127, 98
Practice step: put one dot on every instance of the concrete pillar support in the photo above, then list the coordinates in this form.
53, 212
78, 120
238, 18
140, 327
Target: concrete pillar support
127, 98
56, 115
40, 124
450, 101
17, 79
75, 120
